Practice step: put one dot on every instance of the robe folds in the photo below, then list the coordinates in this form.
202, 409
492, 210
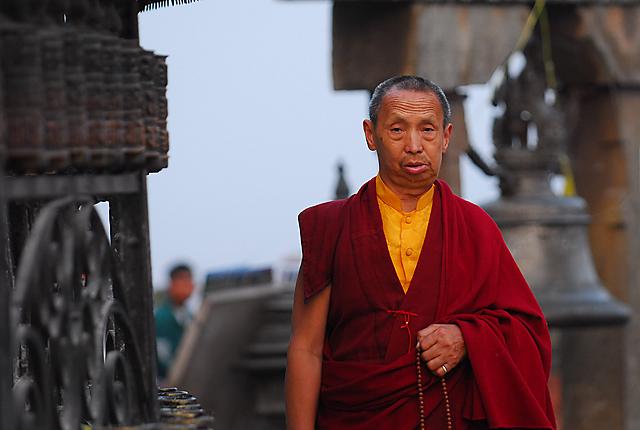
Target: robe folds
465, 276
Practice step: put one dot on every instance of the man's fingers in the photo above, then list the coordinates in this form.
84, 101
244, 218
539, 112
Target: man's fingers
427, 331
436, 335
441, 370
442, 345
436, 365
427, 337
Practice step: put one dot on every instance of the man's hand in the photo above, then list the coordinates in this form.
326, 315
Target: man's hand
442, 345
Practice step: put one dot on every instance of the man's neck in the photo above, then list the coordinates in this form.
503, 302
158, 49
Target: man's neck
408, 198
409, 204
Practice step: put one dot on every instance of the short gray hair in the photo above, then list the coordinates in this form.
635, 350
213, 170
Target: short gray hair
411, 83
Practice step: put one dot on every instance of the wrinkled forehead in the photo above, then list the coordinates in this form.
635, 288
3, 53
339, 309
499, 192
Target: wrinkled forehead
398, 91
397, 100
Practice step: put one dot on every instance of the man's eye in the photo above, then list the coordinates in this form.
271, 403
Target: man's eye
396, 129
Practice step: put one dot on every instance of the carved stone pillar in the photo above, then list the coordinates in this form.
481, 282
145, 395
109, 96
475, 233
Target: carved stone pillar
596, 51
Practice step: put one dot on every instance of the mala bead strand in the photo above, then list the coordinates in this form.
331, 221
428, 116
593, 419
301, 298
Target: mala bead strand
420, 392
445, 392
446, 403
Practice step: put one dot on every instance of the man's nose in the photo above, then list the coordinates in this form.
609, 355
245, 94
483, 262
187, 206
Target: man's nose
414, 143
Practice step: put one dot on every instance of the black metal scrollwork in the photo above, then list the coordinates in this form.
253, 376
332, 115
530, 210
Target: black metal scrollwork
77, 359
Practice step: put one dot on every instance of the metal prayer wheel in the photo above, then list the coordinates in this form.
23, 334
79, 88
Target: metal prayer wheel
76, 97
95, 60
23, 94
113, 88
181, 410
132, 104
161, 82
54, 100
150, 106
547, 236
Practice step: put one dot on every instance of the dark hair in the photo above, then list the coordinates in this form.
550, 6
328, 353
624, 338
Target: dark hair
411, 83
178, 269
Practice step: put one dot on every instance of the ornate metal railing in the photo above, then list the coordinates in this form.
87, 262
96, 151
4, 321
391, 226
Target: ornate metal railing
73, 334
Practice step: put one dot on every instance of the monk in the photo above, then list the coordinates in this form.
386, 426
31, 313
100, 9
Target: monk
406, 290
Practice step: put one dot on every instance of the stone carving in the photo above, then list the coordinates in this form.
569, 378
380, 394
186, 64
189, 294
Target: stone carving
529, 135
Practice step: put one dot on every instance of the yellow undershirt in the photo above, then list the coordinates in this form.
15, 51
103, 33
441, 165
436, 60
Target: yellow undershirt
404, 231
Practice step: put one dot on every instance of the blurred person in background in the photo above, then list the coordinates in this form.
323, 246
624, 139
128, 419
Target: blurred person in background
172, 317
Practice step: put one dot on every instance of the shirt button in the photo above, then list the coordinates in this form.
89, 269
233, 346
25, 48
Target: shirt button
408, 220
409, 251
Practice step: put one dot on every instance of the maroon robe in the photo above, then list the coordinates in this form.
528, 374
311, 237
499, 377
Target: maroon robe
465, 276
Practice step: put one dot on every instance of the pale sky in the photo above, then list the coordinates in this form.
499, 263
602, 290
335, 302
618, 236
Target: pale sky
256, 132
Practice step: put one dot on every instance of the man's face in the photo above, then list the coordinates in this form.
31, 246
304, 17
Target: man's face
181, 287
409, 139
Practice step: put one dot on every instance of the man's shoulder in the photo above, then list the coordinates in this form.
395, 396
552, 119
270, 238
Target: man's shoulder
327, 213
471, 212
164, 314
471, 209
326, 207
333, 210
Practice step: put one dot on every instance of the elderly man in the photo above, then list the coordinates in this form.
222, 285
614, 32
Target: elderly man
409, 311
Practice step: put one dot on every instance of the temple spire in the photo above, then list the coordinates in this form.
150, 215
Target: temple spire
342, 190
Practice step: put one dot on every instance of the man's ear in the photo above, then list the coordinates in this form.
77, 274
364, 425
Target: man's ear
447, 135
368, 134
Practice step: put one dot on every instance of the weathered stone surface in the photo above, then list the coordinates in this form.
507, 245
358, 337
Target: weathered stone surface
464, 44
374, 41
458, 144
628, 106
596, 45
615, 32
371, 42
592, 402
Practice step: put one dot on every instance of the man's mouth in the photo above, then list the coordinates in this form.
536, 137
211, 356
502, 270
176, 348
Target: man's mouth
415, 168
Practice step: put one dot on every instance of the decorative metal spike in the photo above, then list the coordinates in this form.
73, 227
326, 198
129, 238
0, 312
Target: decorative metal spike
148, 5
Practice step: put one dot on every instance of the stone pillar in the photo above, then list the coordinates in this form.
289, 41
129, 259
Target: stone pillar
6, 350
458, 144
596, 54
596, 401
129, 222
628, 106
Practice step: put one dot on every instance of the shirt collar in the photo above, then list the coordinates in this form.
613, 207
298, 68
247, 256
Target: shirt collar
388, 197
